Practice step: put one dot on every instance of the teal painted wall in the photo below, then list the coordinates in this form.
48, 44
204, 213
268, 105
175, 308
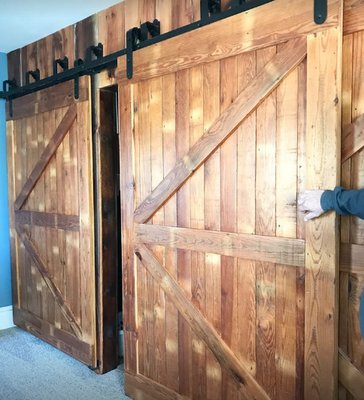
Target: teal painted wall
5, 279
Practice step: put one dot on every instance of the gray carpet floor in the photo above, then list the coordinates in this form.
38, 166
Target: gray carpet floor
33, 370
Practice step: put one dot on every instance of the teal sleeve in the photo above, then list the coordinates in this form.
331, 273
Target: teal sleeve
344, 202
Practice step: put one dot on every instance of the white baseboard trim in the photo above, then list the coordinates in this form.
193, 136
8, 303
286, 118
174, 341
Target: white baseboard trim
6, 317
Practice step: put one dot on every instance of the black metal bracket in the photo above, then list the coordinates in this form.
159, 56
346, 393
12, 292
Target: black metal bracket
10, 84
149, 30
76, 90
209, 7
132, 38
320, 11
135, 36
34, 74
62, 62
96, 51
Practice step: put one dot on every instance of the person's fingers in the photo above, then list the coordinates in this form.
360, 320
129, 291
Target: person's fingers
310, 215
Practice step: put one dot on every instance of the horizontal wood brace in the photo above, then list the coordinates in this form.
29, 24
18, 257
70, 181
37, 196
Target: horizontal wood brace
244, 32
203, 329
48, 220
353, 16
253, 247
352, 258
57, 337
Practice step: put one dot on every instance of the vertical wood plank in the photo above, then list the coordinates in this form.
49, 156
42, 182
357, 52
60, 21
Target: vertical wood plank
183, 220
40, 206
60, 255
211, 103
156, 166
163, 11
196, 98
246, 142
170, 219
145, 187
301, 228
127, 211
286, 332
322, 155
14, 66
85, 36
11, 133
133, 273
111, 30
286, 157
87, 260
286, 226
228, 187
182, 13
346, 178
357, 108
265, 225
50, 190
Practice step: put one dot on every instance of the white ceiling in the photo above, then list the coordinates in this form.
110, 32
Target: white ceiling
24, 21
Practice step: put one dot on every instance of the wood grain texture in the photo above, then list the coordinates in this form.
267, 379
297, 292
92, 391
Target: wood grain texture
108, 214
352, 258
197, 214
50, 220
245, 103
350, 376
111, 30
127, 210
228, 213
322, 152
221, 40
353, 16
139, 386
357, 109
11, 158
44, 159
200, 326
29, 246
49, 99
265, 224
86, 204
212, 204
59, 338
183, 219
346, 176
14, 66
353, 139
251, 247
170, 218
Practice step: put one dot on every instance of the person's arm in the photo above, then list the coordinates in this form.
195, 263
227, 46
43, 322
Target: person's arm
344, 202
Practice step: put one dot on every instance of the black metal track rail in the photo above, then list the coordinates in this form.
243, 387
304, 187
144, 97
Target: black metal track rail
89, 67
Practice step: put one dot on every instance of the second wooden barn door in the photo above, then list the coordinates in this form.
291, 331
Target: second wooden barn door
227, 294
50, 174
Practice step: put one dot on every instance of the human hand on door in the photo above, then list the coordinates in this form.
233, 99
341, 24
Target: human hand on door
309, 202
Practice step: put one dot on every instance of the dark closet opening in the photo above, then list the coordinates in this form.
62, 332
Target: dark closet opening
108, 232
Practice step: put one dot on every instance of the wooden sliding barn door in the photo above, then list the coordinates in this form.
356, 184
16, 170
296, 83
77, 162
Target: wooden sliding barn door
50, 176
228, 294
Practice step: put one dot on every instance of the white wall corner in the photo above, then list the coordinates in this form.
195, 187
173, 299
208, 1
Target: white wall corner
6, 317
